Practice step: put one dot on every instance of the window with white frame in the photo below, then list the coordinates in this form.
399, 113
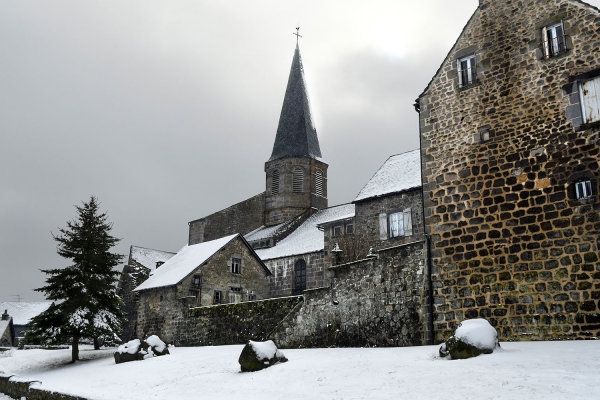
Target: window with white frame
349, 228
553, 40
583, 190
589, 93
236, 265
298, 180
336, 230
467, 71
400, 223
218, 297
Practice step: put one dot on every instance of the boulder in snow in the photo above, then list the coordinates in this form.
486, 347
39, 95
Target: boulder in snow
137, 349
472, 338
260, 355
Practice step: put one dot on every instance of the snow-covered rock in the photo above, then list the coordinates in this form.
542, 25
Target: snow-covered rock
137, 349
472, 338
260, 355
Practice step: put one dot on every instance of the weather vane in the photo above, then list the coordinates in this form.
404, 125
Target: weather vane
297, 34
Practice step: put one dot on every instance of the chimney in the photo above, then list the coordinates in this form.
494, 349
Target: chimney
5, 316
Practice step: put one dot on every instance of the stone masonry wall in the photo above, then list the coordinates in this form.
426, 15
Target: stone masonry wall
20, 388
281, 283
132, 276
373, 302
241, 218
510, 242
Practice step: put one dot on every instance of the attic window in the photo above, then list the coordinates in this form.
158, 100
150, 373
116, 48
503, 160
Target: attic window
236, 266
275, 182
553, 40
467, 71
297, 180
583, 190
319, 182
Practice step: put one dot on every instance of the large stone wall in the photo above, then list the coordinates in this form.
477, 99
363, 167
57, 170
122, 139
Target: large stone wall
373, 302
281, 282
510, 242
242, 217
132, 276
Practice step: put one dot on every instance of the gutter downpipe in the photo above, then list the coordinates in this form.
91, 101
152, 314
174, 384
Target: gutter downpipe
430, 335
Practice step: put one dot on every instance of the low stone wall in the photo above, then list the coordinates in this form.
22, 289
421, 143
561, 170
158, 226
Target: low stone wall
19, 388
373, 302
232, 323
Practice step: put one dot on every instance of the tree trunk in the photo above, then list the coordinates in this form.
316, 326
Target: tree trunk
75, 349
96, 344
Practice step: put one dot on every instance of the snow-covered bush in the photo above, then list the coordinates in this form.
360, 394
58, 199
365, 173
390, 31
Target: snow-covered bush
6, 352
260, 355
472, 338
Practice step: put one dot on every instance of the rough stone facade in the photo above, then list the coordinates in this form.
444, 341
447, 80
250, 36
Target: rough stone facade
242, 217
373, 302
499, 161
287, 203
281, 282
159, 307
132, 276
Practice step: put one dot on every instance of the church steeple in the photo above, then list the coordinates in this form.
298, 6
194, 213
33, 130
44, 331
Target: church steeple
296, 181
296, 133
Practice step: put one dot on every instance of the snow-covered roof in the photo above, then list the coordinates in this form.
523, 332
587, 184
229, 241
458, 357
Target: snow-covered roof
22, 312
149, 257
399, 173
3, 327
264, 232
184, 262
307, 238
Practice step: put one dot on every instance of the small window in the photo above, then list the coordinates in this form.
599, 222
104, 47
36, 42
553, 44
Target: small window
553, 40
251, 296
236, 266
349, 229
583, 190
467, 72
401, 223
235, 289
299, 277
218, 297
298, 180
161, 297
275, 182
319, 182
336, 231
589, 93
197, 280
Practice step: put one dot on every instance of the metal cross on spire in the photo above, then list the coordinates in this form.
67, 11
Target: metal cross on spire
297, 34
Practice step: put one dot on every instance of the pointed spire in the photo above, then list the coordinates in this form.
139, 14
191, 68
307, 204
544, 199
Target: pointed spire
296, 133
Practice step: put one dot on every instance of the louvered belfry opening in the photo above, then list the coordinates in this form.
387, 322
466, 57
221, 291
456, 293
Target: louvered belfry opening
319, 182
298, 180
275, 182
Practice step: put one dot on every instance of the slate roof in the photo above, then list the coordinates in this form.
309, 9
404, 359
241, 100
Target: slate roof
148, 257
186, 261
296, 133
307, 238
22, 312
399, 173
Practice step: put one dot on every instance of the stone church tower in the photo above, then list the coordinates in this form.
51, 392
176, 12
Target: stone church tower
296, 175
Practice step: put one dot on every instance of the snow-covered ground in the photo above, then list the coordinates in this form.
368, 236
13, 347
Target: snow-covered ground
523, 370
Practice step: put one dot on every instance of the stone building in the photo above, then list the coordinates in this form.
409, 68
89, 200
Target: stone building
21, 313
140, 264
7, 330
220, 271
509, 130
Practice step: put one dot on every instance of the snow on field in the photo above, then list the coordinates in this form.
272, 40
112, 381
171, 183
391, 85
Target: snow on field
522, 370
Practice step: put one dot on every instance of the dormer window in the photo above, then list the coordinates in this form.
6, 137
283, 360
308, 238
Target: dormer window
275, 182
553, 40
467, 71
159, 263
298, 180
583, 190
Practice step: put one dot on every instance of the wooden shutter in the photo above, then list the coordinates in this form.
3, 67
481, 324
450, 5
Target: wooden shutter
407, 214
590, 97
298, 180
383, 235
460, 78
545, 43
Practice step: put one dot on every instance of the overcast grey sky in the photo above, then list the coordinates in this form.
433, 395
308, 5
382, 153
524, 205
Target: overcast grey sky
167, 110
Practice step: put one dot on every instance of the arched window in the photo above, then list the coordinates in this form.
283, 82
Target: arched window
275, 182
298, 180
319, 182
299, 277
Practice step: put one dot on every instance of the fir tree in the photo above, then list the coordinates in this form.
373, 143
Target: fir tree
85, 302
